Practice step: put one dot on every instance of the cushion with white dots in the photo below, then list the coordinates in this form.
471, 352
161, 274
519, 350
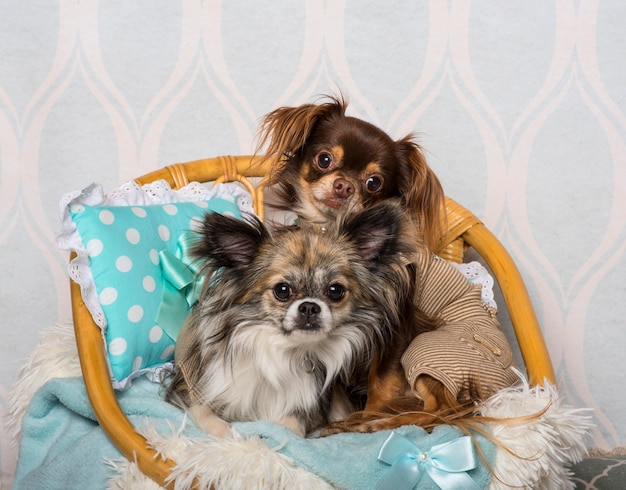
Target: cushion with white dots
117, 240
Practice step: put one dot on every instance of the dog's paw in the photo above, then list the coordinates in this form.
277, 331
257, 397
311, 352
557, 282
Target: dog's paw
372, 426
294, 424
331, 431
367, 425
351, 424
365, 428
209, 422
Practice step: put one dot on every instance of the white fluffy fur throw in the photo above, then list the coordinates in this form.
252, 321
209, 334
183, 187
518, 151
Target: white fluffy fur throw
534, 453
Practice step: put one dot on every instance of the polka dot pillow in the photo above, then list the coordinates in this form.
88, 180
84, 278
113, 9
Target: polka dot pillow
118, 241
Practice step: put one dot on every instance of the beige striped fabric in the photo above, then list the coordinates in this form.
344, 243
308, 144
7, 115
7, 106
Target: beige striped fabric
469, 353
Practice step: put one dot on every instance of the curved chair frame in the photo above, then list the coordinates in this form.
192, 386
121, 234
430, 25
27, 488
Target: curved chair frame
464, 230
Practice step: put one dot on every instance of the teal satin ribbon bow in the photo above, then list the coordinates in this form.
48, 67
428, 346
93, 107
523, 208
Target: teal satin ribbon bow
181, 285
446, 463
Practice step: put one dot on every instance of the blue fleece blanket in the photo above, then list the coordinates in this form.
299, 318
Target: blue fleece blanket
62, 446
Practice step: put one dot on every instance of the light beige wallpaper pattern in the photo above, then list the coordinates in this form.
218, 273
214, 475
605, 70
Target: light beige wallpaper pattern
520, 105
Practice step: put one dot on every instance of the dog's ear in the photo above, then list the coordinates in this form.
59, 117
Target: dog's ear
422, 193
376, 231
284, 131
229, 242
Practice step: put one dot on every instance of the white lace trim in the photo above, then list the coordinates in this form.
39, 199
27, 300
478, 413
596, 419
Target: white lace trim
477, 274
129, 194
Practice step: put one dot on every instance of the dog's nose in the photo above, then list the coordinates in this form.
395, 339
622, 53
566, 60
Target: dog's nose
343, 188
309, 309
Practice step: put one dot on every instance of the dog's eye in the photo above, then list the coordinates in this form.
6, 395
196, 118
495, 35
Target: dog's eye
374, 183
324, 160
336, 292
282, 291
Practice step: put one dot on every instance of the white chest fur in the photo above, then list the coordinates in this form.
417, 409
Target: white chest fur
263, 375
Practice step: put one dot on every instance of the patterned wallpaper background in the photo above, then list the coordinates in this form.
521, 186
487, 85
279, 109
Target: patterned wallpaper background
520, 105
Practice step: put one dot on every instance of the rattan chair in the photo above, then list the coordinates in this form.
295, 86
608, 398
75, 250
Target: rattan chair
464, 230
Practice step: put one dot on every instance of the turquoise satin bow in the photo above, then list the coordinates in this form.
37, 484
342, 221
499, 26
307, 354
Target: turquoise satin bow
446, 463
181, 285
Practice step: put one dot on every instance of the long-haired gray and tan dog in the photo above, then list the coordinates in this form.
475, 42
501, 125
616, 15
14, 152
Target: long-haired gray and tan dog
289, 318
